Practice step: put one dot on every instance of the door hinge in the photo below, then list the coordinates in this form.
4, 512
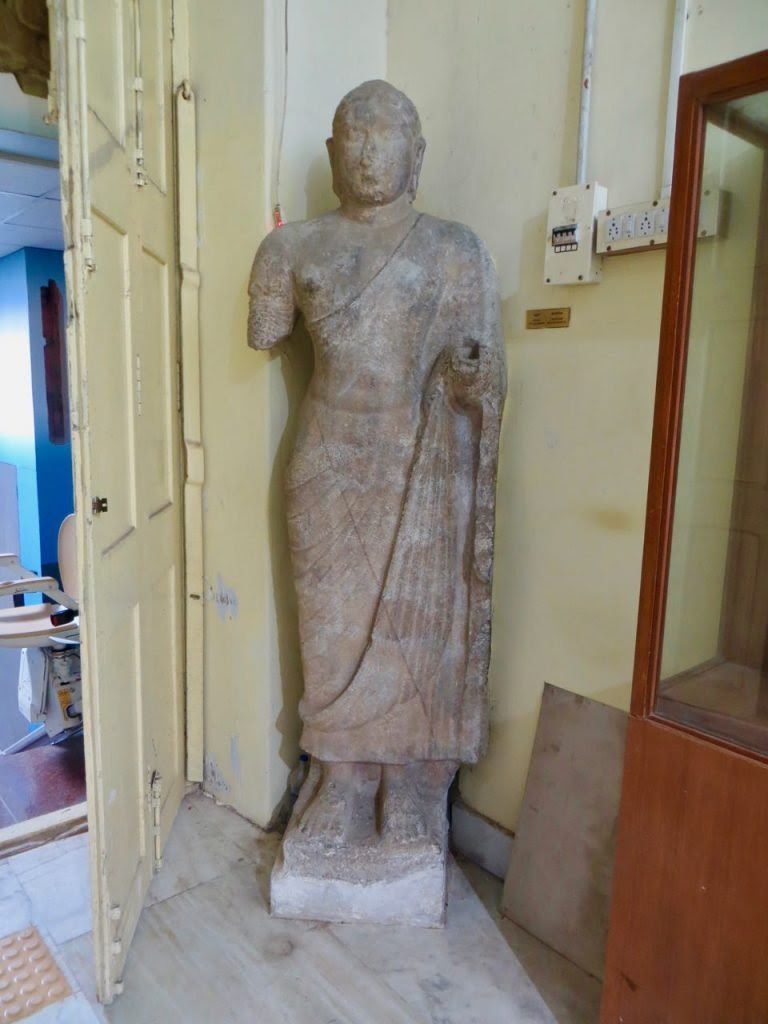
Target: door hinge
86, 240
76, 32
99, 505
139, 174
156, 794
138, 384
178, 386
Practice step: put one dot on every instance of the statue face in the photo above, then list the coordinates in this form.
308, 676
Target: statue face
374, 155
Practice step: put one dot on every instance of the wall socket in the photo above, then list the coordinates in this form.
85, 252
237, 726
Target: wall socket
646, 222
640, 227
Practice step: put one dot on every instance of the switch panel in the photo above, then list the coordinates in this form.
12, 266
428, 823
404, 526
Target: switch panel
570, 251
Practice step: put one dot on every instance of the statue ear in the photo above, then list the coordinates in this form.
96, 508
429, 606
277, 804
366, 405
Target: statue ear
331, 157
418, 157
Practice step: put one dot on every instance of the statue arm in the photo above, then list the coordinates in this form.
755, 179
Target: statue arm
477, 358
479, 380
272, 310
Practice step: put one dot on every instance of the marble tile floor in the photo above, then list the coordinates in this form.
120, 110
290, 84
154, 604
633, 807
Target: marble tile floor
207, 951
48, 887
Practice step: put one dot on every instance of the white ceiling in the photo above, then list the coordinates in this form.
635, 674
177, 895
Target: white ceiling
30, 202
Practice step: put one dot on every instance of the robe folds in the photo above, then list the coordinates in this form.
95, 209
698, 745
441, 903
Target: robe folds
390, 491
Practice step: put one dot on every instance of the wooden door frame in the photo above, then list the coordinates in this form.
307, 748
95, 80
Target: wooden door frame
69, 820
698, 90
694, 807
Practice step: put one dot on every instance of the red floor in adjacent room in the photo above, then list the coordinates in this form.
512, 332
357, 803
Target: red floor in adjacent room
41, 779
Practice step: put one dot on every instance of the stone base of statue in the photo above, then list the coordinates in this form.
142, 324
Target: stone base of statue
393, 887
380, 879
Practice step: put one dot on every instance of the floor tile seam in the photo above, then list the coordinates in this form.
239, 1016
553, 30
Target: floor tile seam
75, 935
369, 972
43, 923
19, 892
182, 892
46, 867
63, 957
15, 820
58, 951
41, 845
31, 896
35, 876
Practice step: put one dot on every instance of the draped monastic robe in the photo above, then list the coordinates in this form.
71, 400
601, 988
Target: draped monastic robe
390, 489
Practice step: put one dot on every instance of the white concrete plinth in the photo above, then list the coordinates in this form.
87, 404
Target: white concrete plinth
416, 898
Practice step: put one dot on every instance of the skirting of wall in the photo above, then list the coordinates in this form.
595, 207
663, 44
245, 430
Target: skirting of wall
480, 840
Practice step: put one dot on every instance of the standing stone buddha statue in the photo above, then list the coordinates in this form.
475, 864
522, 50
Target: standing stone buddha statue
390, 497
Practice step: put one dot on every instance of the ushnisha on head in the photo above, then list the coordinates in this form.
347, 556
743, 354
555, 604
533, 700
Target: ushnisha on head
377, 147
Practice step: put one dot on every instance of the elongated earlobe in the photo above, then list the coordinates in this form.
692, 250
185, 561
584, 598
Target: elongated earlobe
418, 157
334, 177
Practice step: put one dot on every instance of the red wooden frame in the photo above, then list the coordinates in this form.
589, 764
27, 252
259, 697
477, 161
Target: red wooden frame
697, 91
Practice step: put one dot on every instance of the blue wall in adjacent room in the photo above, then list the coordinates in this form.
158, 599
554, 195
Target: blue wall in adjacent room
44, 470
17, 416
54, 461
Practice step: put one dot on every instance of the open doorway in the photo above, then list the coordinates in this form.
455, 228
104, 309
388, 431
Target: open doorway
42, 766
124, 359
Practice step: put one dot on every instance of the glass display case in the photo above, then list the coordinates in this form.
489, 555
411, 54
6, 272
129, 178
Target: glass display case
713, 672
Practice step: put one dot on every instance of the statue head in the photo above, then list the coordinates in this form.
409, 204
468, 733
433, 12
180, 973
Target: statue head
377, 148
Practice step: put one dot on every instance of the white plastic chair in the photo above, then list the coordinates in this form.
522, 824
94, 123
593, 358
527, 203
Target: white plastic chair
30, 625
46, 673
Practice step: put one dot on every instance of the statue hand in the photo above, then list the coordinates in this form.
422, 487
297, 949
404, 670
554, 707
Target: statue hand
466, 360
473, 370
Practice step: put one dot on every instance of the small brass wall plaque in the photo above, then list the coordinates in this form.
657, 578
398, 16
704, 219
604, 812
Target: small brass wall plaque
556, 317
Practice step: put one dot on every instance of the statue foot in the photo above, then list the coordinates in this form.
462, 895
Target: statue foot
413, 807
343, 809
404, 820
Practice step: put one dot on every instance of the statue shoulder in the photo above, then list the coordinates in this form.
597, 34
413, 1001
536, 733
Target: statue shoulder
457, 242
289, 241
280, 242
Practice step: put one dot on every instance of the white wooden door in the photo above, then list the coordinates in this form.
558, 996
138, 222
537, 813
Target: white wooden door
117, 164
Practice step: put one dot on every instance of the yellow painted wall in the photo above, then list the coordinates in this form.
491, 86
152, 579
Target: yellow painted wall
252, 672
497, 86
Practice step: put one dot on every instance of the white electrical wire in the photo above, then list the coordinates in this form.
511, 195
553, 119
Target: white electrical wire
279, 157
586, 91
676, 58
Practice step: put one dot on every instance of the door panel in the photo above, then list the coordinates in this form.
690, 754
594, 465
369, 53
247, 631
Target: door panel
155, 70
158, 451
124, 336
120, 718
111, 405
105, 73
689, 941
